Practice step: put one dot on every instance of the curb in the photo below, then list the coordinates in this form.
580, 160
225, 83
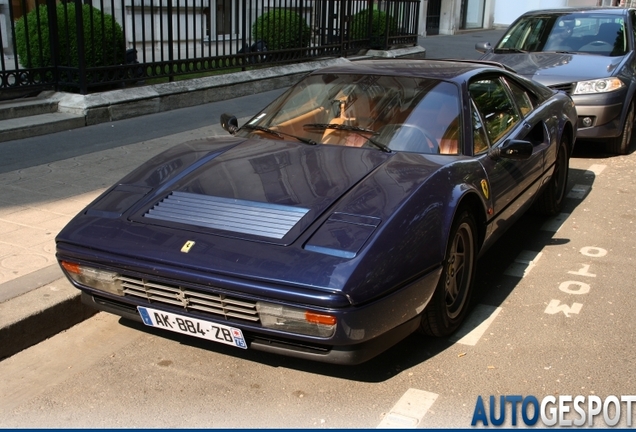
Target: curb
60, 111
39, 314
132, 102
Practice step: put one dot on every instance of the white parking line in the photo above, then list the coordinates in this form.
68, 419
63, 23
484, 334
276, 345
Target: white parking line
409, 411
596, 169
523, 264
476, 324
578, 191
554, 224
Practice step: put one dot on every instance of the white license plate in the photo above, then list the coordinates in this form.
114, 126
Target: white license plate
193, 327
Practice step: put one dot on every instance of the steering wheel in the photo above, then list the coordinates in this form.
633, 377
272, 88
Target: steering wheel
408, 137
597, 44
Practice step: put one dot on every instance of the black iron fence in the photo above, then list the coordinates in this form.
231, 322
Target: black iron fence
84, 45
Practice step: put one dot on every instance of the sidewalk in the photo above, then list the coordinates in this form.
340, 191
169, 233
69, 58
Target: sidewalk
36, 202
36, 300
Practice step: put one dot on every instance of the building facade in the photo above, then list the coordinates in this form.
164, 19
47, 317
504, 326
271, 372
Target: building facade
448, 17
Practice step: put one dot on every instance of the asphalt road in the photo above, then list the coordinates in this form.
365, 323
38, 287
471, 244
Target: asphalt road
19, 154
552, 316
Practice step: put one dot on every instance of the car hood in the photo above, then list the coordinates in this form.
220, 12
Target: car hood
260, 190
557, 68
268, 210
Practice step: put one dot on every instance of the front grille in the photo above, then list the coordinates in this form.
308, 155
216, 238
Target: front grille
567, 87
190, 299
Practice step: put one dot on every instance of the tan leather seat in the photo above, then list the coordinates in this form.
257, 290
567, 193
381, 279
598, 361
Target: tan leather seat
335, 136
448, 146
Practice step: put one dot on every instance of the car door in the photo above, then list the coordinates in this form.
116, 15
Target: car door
503, 110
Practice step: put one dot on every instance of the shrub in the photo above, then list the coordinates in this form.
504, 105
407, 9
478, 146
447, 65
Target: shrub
281, 29
360, 27
103, 38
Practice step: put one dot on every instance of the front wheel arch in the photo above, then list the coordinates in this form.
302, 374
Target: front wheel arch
552, 197
451, 300
621, 144
476, 206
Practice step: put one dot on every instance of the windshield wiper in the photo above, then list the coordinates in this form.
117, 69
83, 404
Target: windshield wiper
339, 127
513, 50
560, 52
279, 134
356, 129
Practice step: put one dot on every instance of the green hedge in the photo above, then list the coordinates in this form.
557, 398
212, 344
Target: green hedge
281, 29
360, 27
103, 38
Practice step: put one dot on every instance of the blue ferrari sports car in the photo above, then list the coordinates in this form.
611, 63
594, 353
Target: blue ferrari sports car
346, 215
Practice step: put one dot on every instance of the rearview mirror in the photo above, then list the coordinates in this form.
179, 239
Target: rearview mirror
512, 149
229, 123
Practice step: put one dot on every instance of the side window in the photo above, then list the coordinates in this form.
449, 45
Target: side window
496, 107
527, 35
524, 99
480, 140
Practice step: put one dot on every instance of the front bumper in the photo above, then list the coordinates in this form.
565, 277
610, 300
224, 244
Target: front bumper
362, 332
344, 355
604, 112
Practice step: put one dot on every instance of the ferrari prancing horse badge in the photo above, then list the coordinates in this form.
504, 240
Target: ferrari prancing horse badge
187, 246
484, 188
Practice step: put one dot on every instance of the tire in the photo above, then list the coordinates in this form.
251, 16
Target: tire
451, 300
550, 202
621, 144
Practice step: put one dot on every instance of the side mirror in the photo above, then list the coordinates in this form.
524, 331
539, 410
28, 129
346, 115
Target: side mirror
483, 47
229, 123
512, 149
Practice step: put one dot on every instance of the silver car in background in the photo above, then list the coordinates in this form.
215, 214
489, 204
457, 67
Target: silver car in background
586, 52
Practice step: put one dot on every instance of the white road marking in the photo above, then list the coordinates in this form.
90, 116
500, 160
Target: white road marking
596, 169
579, 287
409, 411
476, 325
555, 307
523, 264
578, 191
584, 271
592, 251
554, 224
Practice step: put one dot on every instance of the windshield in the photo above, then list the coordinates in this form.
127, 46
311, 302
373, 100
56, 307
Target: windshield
598, 34
385, 112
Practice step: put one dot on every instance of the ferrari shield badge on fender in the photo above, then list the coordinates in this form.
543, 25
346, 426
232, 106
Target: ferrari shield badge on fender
484, 188
188, 245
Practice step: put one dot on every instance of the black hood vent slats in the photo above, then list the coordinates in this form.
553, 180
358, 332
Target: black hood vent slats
234, 215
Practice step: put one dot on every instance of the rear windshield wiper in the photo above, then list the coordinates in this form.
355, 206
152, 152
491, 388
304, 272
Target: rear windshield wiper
356, 129
279, 134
